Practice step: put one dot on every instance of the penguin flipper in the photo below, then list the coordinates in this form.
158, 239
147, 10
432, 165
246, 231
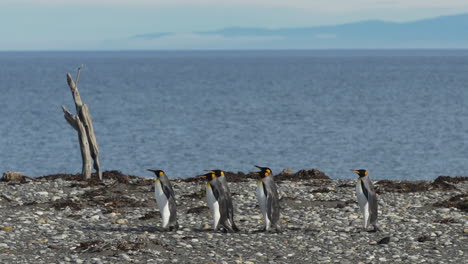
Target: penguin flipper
225, 220
273, 207
371, 196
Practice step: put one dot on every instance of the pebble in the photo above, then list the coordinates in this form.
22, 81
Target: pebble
4, 245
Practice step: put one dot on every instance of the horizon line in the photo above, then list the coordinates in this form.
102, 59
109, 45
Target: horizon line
246, 50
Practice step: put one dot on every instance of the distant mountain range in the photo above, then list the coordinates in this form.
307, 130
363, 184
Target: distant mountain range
439, 32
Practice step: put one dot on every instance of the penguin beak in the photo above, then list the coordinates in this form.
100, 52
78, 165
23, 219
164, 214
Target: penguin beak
258, 167
154, 171
355, 171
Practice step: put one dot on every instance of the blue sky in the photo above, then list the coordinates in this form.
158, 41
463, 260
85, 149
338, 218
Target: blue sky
97, 24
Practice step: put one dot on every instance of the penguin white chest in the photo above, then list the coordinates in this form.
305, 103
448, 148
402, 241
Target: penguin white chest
363, 203
362, 199
261, 197
213, 204
262, 201
163, 203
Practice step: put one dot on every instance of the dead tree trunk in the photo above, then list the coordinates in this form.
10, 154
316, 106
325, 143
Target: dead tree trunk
83, 124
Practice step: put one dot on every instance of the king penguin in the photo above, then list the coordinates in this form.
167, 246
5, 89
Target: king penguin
367, 199
166, 200
222, 179
217, 201
268, 199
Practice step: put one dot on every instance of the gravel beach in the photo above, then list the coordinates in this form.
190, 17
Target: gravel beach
60, 219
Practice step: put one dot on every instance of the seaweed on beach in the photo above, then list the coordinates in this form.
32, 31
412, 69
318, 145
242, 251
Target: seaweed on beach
90, 246
150, 215
106, 175
62, 204
383, 186
230, 176
195, 195
198, 210
450, 179
323, 190
108, 198
347, 185
459, 201
313, 174
130, 245
317, 183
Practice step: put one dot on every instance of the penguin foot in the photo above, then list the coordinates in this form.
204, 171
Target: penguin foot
235, 228
172, 228
274, 230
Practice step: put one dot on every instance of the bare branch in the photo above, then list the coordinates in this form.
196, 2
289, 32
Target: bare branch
78, 74
71, 118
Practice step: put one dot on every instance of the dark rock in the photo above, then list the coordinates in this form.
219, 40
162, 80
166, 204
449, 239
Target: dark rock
384, 241
287, 171
449, 220
424, 238
12, 176
15, 177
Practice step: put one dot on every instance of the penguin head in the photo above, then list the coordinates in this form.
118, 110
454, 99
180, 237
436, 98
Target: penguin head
158, 173
218, 173
209, 176
264, 172
361, 173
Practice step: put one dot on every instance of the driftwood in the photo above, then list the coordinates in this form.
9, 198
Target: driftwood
83, 124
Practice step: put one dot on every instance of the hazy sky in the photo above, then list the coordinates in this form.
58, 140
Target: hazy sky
85, 24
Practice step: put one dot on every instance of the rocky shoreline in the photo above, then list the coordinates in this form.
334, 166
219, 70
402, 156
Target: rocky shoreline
61, 219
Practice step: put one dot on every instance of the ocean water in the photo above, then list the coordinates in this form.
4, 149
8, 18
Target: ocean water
398, 114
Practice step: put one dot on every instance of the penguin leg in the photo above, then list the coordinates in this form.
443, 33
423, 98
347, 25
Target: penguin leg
376, 228
173, 227
278, 228
227, 226
235, 228
233, 225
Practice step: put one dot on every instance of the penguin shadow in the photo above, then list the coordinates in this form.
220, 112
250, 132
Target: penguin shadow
204, 230
140, 229
211, 230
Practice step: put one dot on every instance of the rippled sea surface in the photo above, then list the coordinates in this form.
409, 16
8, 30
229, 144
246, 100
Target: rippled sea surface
398, 114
